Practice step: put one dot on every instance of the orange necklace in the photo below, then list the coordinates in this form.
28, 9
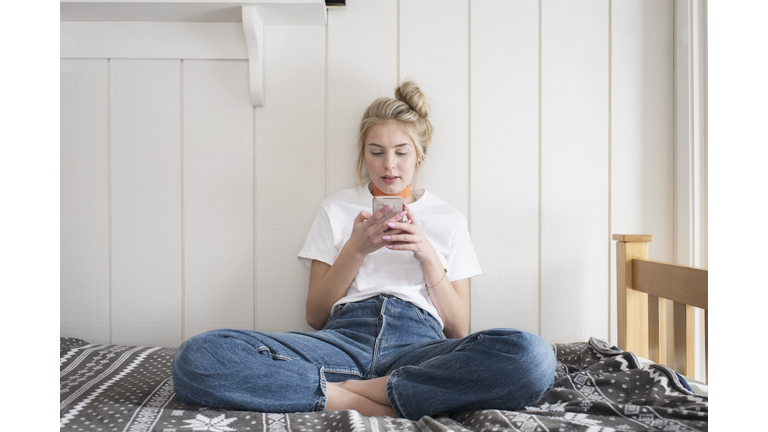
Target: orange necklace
405, 193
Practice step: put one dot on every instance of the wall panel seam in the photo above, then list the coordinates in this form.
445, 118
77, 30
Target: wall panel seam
255, 249
539, 181
675, 227
610, 144
109, 188
691, 140
183, 204
469, 138
327, 157
398, 43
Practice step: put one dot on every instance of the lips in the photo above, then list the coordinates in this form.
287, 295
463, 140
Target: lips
390, 179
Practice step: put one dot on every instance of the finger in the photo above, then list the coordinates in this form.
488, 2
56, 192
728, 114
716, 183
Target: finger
378, 218
397, 217
387, 234
362, 216
385, 227
406, 226
400, 247
382, 229
401, 238
409, 213
380, 213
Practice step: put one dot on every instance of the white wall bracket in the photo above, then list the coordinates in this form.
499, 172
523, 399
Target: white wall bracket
181, 29
254, 39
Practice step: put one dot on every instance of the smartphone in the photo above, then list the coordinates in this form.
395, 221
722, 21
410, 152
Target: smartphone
396, 202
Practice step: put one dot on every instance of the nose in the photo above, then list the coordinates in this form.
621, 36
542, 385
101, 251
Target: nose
389, 162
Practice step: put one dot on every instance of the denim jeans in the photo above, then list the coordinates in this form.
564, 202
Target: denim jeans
428, 374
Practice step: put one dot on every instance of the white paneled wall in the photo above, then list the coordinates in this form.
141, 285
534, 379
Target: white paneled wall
433, 51
642, 127
217, 196
362, 57
183, 207
290, 171
85, 263
505, 163
574, 170
145, 201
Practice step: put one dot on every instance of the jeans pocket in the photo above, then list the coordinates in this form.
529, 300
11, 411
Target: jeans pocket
264, 350
428, 321
338, 310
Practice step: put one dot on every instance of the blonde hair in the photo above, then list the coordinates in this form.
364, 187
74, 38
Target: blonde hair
409, 110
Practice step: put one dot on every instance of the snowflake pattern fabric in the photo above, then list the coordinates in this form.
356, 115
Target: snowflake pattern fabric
597, 389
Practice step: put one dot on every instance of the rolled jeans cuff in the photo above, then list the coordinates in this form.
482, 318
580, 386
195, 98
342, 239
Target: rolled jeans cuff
323, 400
392, 395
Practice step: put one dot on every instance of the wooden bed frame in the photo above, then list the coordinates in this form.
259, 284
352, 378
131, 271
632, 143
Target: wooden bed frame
642, 285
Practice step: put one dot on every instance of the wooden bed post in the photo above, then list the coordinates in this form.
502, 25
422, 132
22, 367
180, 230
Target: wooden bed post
644, 288
632, 306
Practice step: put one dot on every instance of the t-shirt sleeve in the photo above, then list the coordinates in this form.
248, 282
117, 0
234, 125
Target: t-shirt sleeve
462, 259
319, 244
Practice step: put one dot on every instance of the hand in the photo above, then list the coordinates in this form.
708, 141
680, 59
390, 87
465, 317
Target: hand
367, 236
411, 238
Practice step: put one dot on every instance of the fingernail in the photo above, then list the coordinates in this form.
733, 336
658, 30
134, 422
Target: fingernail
388, 246
403, 213
386, 237
388, 207
392, 224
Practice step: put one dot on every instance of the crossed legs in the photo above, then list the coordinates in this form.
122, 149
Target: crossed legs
236, 369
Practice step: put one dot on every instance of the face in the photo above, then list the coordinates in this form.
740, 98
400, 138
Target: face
390, 157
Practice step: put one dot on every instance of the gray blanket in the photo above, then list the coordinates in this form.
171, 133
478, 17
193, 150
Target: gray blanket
597, 388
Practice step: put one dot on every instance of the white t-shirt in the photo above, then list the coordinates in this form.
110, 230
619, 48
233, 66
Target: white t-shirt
386, 271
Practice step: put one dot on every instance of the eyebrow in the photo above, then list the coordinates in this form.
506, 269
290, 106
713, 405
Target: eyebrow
381, 146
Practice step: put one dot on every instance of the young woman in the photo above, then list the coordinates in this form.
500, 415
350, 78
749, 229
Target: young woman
381, 294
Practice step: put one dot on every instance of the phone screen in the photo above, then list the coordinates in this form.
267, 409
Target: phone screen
381, 202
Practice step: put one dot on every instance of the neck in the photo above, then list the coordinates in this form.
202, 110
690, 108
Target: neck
405, 193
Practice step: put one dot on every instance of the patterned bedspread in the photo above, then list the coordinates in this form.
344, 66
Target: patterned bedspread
129, 388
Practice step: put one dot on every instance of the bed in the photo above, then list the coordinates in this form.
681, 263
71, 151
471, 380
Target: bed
597, 387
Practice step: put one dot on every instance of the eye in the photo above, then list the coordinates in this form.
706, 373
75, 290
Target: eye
377, 153
402, 154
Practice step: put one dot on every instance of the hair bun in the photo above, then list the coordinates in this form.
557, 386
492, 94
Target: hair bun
410, 93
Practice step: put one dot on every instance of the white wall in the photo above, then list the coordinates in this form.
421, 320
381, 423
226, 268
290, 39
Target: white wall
183, 208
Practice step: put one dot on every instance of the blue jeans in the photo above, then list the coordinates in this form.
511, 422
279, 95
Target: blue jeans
287, 372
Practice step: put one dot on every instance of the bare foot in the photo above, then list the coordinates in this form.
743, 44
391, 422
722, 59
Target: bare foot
340, 398
373, 389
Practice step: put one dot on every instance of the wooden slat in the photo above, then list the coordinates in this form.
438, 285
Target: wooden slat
506, 93
657, 329
632, 306
684, 339
706, 346
679, 283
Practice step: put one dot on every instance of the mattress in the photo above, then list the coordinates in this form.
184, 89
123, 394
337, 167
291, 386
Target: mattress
597, 388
